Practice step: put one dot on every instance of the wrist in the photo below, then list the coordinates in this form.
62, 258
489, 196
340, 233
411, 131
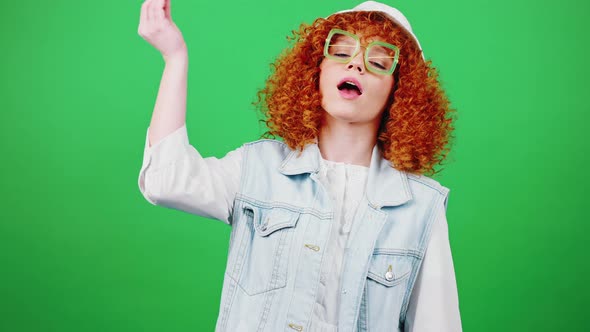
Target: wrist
180, 55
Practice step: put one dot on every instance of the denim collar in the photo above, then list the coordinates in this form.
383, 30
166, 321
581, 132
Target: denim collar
386, 186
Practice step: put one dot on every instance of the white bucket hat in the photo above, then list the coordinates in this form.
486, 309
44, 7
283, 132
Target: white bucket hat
393, 14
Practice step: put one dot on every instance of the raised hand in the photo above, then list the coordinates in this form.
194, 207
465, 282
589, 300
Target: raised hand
158, 29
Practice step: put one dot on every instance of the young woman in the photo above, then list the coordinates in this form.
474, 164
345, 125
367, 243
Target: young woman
337, 227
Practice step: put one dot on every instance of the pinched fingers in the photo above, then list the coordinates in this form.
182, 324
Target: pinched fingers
157, 28
157, 11
152, 11
144, 13
151, 17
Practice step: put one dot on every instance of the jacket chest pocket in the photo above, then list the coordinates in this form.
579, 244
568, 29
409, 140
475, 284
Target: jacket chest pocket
389, 270
386, 287
262, 259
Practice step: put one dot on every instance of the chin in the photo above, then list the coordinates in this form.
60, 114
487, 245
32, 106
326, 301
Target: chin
349, 115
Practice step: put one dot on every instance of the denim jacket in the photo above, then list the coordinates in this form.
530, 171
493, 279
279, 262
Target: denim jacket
281, 221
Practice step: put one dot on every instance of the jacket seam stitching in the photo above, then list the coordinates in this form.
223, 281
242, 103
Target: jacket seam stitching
427, 234
363, 282
441, 190
292, 208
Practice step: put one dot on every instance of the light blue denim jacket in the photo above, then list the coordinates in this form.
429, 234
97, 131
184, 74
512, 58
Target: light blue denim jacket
281, 223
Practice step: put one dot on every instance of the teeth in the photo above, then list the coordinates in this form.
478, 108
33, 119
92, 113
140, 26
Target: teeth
349, 85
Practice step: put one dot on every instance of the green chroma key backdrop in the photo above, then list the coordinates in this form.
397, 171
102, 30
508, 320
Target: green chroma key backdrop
82, 250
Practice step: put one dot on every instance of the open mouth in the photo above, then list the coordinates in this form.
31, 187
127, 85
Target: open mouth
350, 86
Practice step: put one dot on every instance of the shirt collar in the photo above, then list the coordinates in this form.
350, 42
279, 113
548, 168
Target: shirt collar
386, 186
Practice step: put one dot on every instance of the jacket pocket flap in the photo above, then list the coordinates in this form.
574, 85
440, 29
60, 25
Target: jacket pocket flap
266, 221
390, 269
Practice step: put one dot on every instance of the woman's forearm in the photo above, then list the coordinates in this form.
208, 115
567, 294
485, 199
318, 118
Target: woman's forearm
170, 107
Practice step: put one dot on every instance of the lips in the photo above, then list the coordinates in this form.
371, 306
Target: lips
350, 88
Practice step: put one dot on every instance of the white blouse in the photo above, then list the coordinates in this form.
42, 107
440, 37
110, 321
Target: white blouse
434, 304
345, 184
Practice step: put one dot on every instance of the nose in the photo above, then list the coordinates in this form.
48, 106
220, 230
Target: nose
357, 63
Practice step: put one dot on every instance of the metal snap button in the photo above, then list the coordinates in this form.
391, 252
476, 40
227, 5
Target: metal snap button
389, 274
296, 327
312, 247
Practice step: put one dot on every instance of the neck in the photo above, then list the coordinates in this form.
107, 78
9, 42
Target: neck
350, 143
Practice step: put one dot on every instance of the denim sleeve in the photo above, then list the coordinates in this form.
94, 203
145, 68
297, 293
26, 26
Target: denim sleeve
174, 175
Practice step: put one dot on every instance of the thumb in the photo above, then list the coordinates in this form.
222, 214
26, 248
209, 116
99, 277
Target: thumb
167, 9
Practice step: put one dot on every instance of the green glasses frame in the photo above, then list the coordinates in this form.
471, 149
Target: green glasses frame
368, 64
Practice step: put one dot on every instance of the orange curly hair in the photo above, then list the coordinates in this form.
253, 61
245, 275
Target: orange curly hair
416, 124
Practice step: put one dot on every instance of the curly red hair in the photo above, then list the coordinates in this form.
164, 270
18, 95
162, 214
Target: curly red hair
416, 125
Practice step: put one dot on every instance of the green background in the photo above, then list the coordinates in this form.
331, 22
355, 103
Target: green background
82, 250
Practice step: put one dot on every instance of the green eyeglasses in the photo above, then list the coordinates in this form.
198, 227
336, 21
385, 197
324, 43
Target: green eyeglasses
380, 57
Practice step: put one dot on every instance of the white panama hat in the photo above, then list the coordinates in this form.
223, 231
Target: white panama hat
393, 14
